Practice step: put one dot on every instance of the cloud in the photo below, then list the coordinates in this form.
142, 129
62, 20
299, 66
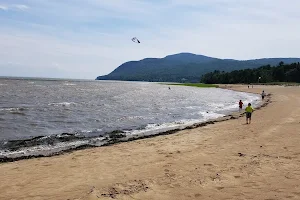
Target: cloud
20, 7
2, 7
14, 7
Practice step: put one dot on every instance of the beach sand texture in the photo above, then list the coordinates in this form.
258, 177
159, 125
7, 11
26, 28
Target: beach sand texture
226, 160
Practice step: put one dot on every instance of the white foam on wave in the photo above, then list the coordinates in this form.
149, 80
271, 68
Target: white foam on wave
210, 115
67, 104
223, 107
217, 105
88, 131
193, 107
153, 129
69, 84
46, 149
11, 109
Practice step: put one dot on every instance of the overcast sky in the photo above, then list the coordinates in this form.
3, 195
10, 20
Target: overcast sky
87, 38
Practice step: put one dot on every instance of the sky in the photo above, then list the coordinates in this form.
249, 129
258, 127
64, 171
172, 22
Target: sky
87, 38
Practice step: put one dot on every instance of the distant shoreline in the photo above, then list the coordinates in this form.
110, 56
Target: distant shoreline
202, 85
43, 78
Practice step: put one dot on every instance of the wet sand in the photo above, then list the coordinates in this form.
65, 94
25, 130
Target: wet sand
225, 160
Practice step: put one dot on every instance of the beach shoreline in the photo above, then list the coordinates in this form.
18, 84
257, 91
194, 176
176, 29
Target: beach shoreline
119, 137
226, 160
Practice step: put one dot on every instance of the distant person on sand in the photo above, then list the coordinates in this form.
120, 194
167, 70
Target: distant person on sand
249, 111
240, 105
263, 94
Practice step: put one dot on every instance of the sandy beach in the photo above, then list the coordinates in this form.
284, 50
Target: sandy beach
225, 160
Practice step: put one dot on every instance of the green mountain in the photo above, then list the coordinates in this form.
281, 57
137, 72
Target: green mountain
183, 67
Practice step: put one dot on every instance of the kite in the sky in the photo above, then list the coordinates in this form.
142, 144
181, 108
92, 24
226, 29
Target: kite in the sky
135, 40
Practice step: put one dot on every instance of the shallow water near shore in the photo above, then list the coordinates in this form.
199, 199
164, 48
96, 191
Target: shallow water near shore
41, 117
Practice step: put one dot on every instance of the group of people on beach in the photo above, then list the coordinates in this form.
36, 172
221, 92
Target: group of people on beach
249, 110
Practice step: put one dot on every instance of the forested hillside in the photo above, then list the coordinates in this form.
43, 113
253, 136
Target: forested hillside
265, 74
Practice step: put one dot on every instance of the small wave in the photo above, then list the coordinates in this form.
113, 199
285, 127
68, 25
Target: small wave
12, 109
210, 115
194, 107
15, 145
130, 118
42, 149
231, 106
66, 104
217, 105
153, 129
15, 111
48, 145
69, 84
63, 121
89, 131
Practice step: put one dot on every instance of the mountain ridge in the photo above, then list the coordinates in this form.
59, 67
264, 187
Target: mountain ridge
183, 66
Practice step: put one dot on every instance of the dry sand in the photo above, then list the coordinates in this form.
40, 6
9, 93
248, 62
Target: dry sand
225, 160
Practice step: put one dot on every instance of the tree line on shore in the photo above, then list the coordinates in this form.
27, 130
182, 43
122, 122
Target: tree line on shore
265, 74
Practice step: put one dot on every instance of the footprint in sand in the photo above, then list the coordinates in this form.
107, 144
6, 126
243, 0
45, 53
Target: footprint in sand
198, 195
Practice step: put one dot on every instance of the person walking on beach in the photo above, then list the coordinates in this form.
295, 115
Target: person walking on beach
263, 94
240, 105
249, 111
